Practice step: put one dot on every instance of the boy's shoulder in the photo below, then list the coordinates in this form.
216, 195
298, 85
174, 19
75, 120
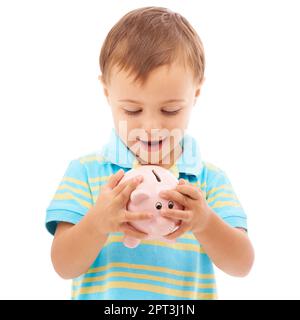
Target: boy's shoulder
89, 162
212, 174
211, 168
95, 156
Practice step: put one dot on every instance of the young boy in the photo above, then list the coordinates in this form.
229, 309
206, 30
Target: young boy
152, 65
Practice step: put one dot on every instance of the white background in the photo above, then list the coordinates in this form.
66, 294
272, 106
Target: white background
52, 110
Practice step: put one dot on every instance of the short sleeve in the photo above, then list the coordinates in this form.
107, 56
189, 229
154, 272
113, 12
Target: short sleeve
72, 198
221, 197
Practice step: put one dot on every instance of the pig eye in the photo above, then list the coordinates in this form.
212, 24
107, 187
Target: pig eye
170, 204
158, 205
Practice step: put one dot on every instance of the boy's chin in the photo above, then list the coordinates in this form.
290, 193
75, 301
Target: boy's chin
155, 159
149, 159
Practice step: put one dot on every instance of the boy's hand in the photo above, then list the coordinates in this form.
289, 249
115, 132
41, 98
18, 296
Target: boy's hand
196, 210
110, 207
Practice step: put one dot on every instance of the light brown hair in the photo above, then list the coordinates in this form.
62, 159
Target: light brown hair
147, 38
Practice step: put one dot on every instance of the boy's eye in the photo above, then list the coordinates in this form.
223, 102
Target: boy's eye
132, 112
170, 112
166, 112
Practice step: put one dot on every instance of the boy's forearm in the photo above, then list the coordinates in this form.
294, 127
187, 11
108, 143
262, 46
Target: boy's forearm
229, 248
74, 251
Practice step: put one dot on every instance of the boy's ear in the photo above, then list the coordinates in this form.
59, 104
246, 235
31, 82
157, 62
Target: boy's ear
100, 78
198, 90
197, 94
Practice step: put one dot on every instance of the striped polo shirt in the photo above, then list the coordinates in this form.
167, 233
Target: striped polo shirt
154, 269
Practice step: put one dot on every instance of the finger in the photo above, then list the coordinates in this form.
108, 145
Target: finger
128, 216
175, 196
123, 197
189, 191
129, 230
181, 181
119, 188
179, 232
184, 215
114, 179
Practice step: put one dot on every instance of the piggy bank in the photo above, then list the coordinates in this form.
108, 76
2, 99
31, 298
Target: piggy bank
146, 198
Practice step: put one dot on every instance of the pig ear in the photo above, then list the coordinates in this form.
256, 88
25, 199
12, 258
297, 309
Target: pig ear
139, 195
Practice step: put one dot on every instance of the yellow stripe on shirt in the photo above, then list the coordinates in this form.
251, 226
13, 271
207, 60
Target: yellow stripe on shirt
224, 186
99, 179
143, 287
70, 196
91, 158
220, 204
151, 268
76, 181
222, 195
176, 245
75, 190
112, 274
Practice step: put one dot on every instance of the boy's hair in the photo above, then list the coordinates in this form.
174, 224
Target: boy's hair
150, 37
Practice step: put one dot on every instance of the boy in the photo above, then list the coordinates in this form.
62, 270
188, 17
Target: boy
152, 64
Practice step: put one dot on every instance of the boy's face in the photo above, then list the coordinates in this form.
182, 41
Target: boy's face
151, 119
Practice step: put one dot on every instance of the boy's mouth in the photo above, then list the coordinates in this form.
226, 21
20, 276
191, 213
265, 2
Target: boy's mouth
153, 145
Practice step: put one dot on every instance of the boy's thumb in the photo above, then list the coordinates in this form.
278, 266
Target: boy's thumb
182, 181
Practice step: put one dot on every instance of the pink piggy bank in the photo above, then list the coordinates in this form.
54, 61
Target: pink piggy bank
146, 198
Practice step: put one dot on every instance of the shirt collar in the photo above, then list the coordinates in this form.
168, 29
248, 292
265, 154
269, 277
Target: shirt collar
189, 162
